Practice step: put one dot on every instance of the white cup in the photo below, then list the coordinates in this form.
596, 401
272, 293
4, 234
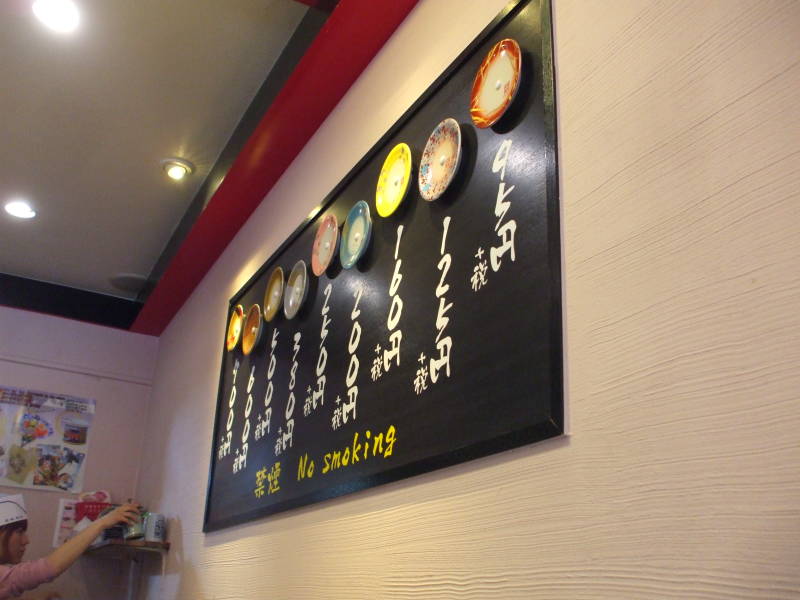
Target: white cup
155, 528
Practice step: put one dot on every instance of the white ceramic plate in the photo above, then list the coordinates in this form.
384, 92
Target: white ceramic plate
296, 289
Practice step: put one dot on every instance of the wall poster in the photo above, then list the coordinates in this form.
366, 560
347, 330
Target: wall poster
43, 439
414, 321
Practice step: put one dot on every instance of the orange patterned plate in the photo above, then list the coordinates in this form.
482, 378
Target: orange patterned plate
496, 83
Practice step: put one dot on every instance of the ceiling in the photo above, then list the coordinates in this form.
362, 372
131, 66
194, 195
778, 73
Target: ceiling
238, 90
88, 117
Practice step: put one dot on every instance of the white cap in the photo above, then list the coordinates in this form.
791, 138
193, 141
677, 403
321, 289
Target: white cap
12, 509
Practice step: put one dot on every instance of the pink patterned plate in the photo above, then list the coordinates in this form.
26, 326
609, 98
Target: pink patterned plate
325, 245
440, 159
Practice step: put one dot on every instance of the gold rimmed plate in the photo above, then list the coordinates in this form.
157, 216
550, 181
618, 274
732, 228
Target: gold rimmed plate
440, 159
496, 83
393, 181
325, 244
273, 296
253, 327
234, 328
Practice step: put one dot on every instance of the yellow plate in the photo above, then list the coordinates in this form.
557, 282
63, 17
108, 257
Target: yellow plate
234, 327
393, 180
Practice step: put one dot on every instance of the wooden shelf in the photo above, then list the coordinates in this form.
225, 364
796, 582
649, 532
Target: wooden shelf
127, 549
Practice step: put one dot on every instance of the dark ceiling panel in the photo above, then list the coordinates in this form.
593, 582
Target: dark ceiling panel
37, 296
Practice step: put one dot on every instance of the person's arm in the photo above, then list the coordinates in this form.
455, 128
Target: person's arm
68, 553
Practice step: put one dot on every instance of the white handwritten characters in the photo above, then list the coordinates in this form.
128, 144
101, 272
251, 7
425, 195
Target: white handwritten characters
263, 421
224, 448
336, 420
478, 279
391, 355
377, 364
505, 231
348, 409
286, 438
421, 378
444, 343
279, 442
316, 395
240, 462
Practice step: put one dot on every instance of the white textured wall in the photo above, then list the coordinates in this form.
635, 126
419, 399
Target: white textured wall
113, 367
680, 167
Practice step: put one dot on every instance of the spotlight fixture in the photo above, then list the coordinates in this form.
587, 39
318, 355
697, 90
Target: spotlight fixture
177, 168
20, 209
59, 15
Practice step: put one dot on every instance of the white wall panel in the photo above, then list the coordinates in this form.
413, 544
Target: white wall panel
112, 367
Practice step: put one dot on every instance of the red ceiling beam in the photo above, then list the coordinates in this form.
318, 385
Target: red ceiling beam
352, 35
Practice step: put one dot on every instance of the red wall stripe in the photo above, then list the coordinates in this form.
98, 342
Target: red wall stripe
352, 35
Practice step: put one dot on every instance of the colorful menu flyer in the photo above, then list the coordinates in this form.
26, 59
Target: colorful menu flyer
44, 439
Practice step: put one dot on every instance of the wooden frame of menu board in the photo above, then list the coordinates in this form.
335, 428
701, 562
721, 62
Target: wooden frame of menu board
443, 343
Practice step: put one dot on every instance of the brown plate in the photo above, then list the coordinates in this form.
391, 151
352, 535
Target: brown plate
252, 329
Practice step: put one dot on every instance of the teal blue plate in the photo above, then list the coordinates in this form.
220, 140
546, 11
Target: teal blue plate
355, 235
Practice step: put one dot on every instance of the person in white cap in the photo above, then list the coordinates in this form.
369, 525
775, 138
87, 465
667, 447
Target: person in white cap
17, 576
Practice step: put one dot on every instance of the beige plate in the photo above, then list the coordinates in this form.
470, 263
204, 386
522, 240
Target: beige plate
274, 294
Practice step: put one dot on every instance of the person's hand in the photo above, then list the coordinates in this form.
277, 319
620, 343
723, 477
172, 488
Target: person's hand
126, 513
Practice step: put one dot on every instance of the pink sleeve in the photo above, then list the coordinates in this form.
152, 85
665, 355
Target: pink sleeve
15, 579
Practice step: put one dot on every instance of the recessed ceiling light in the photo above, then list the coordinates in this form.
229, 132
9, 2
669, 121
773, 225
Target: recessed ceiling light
177, 168
58, 15
20, 209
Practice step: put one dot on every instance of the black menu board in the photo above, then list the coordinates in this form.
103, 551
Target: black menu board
442, 344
